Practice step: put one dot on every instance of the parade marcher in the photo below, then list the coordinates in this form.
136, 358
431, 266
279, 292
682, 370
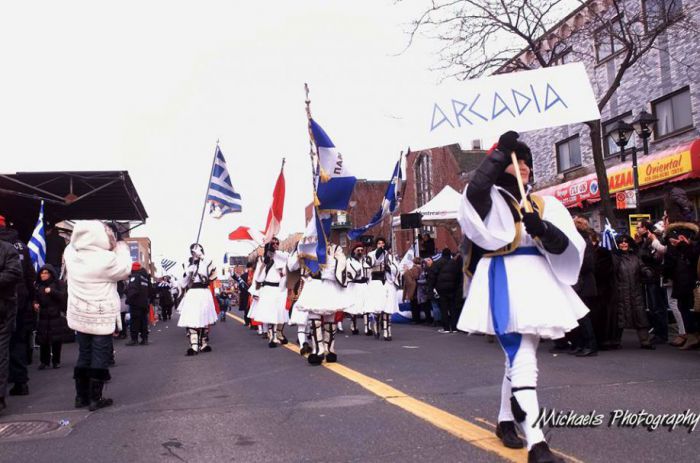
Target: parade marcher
21, 340
10, 276
357, 281
384, 281
270, 279
95, 261
297, 277
165, 298
322, 297
197, 310
521, 288
138, 295
52, 327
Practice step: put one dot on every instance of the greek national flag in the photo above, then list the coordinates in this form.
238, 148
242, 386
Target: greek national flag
609, 234
312, 246
389, 203
221, 196
37, 245
334, 182
167, 264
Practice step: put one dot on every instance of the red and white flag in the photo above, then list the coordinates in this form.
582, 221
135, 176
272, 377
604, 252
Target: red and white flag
246, 234
274, 216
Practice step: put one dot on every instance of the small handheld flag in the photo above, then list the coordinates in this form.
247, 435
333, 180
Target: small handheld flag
167, 264
389, 203
609, 234
37, 244
222, 198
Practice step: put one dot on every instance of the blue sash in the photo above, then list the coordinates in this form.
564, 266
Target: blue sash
500, 302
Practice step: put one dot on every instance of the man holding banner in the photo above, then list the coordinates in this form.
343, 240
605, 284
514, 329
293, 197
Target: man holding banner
521, 291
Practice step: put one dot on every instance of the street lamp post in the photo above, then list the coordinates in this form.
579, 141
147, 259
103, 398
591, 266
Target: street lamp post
621, 132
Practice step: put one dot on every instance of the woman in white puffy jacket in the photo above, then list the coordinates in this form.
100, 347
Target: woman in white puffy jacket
95, 262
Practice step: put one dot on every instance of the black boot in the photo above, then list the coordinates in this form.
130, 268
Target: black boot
19, 389
82, 387
305, 349
97, 384
505, 430
540, 453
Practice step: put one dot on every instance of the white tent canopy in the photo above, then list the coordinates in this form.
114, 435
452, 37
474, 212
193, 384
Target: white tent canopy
443, 207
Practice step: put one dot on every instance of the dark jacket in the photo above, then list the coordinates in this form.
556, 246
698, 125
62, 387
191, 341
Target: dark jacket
652, 261
165, 297
586, 286
680, 266
448, 275
52, 325
138, 289
25, 287
10, 273
629, 295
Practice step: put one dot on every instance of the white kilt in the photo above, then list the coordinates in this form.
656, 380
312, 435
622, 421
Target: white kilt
299, 317
322, 297
197, 309
539, 303
357, 293
381, 297
270, 307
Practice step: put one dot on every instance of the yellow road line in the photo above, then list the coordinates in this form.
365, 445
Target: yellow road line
458, 427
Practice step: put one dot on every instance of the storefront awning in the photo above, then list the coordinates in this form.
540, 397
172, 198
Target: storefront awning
671, 165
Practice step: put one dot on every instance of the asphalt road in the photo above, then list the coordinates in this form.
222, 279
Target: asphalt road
246, 402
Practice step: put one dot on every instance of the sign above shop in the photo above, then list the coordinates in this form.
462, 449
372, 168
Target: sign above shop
670, 165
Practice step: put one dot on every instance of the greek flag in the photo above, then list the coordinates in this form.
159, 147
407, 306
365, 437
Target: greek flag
334, 182
609, 234
389, 203
221, 196
37, 245
312, 246
167, 264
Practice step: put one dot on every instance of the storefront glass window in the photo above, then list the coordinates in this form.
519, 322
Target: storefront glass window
569, 154
610, 148
673, 113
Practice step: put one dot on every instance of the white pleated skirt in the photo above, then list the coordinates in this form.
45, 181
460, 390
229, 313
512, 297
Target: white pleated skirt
298, 317
197, 309
270, 307
357, 294
539, 303
381, 298
322, 297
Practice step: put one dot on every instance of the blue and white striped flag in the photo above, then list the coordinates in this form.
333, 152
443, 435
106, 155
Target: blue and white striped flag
37, 245
609, 234
167, 264
221, 196
389, 203
334, 182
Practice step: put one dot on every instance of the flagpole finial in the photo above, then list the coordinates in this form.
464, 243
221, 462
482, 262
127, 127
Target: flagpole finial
284, 160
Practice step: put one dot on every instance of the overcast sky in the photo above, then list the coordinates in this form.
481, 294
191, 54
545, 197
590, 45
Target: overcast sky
150, 86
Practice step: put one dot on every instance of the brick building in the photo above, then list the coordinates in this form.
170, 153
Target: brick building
426, 173
665, 83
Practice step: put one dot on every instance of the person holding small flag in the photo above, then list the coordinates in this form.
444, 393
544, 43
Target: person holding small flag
530, 256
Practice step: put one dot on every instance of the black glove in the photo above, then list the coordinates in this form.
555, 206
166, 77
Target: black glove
534, 225
508, 142
379, 252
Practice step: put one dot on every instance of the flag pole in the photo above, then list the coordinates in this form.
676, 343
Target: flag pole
398, 202
521, 187
206, 194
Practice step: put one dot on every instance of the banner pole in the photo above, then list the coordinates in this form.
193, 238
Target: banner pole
204, 207
521, 187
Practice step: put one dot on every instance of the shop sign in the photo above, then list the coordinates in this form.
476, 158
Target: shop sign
635, 219
652, 172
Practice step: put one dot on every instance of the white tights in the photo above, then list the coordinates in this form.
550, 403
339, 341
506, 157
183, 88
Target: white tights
521, 375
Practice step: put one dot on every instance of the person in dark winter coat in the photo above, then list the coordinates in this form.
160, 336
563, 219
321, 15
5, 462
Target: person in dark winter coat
10, 275
448, 284
587, 290
52, 328
655, 293
138, 296
165, 298
680, 266
20, 345
604, 324
629, 293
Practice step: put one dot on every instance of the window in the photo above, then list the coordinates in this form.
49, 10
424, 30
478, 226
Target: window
607, 42
659, 13
673, 113
422, 170
563, 57
609, 146
568, 153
